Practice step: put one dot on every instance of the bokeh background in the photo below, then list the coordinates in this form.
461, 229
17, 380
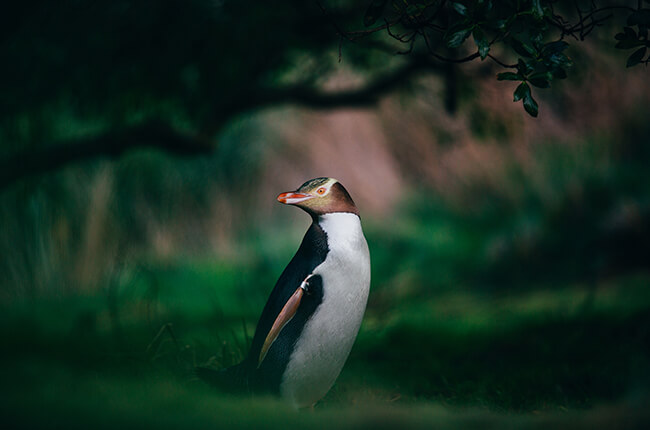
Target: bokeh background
143, 145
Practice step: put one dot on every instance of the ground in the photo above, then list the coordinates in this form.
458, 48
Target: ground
573, 355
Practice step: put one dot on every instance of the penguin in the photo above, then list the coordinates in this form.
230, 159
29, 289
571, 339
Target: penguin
312, 317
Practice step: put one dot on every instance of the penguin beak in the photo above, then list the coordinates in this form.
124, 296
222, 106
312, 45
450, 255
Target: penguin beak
293, 198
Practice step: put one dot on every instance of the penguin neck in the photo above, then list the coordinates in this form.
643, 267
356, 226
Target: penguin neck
342, 228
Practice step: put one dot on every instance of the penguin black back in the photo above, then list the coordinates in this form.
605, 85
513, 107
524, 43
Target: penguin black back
247, 376
269, 374
312, 252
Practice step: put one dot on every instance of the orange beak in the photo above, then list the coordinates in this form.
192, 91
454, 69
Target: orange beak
293, 198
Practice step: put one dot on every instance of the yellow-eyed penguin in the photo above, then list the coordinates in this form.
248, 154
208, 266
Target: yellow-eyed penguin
313, 314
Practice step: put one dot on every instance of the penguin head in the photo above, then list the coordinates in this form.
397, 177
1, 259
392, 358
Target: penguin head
320, 196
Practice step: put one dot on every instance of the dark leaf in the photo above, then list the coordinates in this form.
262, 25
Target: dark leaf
636, 57
530, 105
560, 60
523, 67
540, 75
508, 76
629, 43
640, 17
521, 92
554, 47
500, 24
460, 8
521, 48
415, 9
538, 12
540, 80
559, 73
629, 33
374, 12
481, 43
619, 36
456, 36
484, 6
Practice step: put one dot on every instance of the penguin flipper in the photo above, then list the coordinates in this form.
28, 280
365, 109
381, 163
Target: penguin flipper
234, 379
285, 315
288, 311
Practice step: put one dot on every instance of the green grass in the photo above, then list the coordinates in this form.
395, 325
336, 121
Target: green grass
519, 306
456, 359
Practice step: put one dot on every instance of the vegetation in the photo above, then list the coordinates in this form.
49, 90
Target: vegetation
98, 80
464, 325
509, 254
534, 31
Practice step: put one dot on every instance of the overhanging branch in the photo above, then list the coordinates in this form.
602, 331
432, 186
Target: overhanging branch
154, 134
366, 95
158, 135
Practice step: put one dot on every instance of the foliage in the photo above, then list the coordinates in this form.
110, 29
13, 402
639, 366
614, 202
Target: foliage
94, 360
84, 76
525, 294
576, 213
494, 304
533, 32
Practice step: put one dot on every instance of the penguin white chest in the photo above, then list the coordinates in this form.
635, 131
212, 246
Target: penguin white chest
327, 338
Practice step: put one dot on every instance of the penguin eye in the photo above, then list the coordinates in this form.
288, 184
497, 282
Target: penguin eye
321, 191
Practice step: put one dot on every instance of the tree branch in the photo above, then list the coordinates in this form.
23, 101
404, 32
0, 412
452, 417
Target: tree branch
365, 95
158, 135
154, 134
314, 98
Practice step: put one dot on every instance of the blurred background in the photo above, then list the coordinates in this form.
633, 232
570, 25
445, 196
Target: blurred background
143, 145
